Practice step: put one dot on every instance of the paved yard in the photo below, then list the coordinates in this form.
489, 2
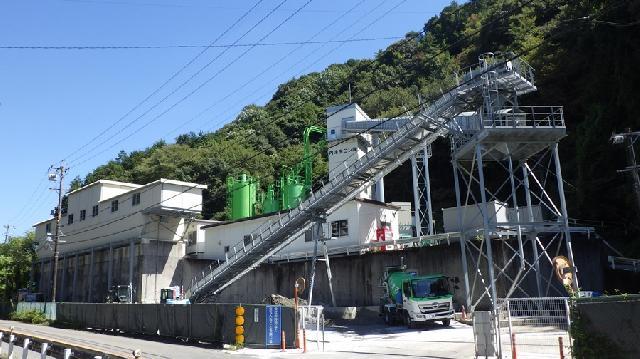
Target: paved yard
353, 341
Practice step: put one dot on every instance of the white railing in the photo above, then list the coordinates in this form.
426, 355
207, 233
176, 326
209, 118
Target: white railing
535, 327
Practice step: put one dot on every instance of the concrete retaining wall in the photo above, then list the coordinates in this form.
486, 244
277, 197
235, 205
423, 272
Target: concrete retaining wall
156, 265
616, 319
356, 279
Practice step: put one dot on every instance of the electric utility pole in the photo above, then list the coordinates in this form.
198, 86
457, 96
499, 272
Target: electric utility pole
629, 139
6, 232
59, 176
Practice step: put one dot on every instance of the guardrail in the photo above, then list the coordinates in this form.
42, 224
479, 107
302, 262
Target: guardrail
47, 347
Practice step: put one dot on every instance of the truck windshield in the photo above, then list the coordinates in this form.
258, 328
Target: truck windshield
426, 288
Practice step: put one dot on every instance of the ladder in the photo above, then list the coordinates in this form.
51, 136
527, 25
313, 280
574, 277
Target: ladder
414, 134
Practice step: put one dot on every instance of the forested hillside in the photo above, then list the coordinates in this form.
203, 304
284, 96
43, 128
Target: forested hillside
586, 55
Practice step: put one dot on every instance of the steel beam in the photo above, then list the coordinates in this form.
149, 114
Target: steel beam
463, 250
565, 215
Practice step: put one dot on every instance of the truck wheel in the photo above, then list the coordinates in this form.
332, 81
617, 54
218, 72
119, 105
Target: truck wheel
408, 321
446, 322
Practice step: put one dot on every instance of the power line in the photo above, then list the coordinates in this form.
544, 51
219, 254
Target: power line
185, 97
130, 123
156, 47
326, 54
227, 8
276, 63
175, 74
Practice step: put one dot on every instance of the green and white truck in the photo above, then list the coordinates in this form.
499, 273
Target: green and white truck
415, 299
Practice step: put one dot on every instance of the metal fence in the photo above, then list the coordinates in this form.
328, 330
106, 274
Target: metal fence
312, 321
534, 327
212, 322
48, 308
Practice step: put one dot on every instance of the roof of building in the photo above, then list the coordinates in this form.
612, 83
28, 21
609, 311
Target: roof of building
44, 221
133, 186
377, 203
115, 183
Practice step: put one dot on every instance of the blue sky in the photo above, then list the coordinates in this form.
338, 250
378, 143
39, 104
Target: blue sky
53, 102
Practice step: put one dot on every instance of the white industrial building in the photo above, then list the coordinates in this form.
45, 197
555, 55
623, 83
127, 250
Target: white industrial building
115, 233
352, 225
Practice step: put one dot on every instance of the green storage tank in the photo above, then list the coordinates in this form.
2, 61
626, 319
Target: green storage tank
241, 196
292, 191
270, 203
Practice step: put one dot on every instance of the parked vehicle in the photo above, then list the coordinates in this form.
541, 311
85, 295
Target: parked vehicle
412, 299
120, 294
172, 295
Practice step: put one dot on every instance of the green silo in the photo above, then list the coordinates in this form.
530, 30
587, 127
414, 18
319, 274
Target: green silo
292, 191
241, 196
270, 203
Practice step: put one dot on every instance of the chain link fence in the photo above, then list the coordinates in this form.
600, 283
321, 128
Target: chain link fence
534, 328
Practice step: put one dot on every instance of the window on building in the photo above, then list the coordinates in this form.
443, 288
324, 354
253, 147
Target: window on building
94, 211
47, 228
226, 249
114, 205
83, 214
340, 228
308, 236
70, 219
135, 199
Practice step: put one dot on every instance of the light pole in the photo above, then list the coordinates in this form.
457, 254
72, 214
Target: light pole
59, 176
629, 138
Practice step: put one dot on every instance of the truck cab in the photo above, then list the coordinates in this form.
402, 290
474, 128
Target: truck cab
415, 299
171, 295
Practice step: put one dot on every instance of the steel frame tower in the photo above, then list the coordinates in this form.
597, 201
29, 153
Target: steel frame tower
510, 196
422, 209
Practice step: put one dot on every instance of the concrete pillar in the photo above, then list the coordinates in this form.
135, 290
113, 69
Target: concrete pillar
75, 279
110, 269
132, 246
64, 277
41, 279
90, 292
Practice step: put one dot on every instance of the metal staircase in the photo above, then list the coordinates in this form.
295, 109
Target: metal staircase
430, 123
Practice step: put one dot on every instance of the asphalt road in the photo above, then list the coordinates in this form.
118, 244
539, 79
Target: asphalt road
357, 341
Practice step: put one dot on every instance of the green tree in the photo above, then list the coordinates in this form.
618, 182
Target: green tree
16, 258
